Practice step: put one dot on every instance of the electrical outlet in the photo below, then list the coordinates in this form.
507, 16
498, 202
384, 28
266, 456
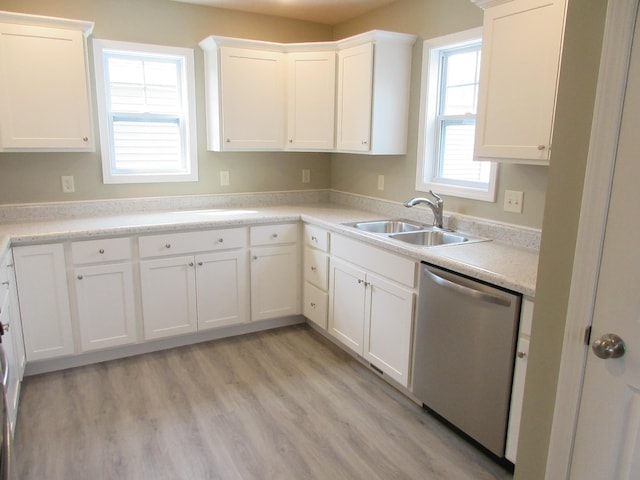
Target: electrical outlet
306, 175
224, 178
513, 201
68, 185
380, 182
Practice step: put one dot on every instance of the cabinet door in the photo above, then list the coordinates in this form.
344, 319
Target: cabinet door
9, 344
106, 311
253, 99
221, 280
311, 90
275, 282
355, 83
517, 398
168, 288
44, 301
347, 304
388, 327
518, 80
44, 100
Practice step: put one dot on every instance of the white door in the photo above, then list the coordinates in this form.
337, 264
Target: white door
347, 307
274, 282
222, 289
387, 328
607, 442
355, 90
168, 296
106, 311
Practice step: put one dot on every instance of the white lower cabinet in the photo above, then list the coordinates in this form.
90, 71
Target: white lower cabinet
274, 282
519, 376
44, 301
168, 287
106, 308
221, 289
370, 313
188, 293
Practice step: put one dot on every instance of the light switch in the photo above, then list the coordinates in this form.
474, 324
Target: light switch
306, 175
224, 178
513, 201
380, 182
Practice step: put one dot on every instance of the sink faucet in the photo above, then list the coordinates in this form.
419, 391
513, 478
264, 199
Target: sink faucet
436, 207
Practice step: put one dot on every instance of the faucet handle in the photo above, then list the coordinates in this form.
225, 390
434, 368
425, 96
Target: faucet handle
436, 196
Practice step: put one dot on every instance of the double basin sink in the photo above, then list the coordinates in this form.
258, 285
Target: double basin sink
413, 233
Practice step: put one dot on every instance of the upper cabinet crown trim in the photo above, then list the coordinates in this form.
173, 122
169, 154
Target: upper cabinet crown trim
484, 4
85, 26
214, 41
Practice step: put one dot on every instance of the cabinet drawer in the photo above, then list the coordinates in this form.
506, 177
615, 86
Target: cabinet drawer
188, 242
316, 268
316, 237
103, 250
395, 267
315, 305
274, 234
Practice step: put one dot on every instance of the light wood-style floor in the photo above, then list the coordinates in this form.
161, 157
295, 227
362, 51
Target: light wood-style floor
282, 404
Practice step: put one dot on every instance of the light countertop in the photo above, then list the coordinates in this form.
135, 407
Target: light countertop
497, 263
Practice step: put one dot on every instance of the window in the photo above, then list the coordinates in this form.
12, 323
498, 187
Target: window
449, 98
146, 112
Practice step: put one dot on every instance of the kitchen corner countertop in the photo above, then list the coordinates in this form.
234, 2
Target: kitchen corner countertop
494, 262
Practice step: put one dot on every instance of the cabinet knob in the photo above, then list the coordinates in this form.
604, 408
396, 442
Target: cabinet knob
5, 327
313, 305
168, 245
254, 257
314, 239
228, 140
5, 283
101, 251
200, 264
313, 269
191, 264
521, 354
541, 147
364, 142
360, 281
291, 140
220, 240
85, 139
275, 235
80, 277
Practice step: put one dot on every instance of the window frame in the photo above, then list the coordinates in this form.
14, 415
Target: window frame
428, 131
187, 120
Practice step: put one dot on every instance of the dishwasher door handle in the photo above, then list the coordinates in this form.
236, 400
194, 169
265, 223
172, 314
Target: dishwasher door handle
471, 292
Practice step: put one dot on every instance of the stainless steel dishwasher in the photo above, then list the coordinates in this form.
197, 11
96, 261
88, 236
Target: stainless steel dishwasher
464, 353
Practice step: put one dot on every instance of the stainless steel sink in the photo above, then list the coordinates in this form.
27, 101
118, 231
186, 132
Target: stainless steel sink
414, 233
388, 226
430, 238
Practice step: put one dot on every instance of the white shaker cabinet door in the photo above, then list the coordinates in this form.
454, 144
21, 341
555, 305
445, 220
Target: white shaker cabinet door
388, 328
275, 282
347, 304
222, 293
355, 90
44, 100
311, 106
252, 84
44, 301
168, 288
106, 311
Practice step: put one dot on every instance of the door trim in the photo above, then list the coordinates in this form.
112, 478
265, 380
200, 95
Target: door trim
612, 80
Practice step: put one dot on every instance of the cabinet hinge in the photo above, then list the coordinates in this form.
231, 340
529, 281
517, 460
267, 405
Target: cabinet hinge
587, 335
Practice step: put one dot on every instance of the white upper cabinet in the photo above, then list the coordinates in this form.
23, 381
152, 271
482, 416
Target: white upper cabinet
311, 100
374, 80
522, 44
254, 103
45, 101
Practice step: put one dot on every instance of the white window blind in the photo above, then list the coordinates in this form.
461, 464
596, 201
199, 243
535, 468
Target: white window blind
147, 126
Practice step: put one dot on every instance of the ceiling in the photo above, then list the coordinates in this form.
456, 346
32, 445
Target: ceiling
329, 12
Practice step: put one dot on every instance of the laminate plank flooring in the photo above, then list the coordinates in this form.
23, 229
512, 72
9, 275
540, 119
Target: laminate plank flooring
281, 404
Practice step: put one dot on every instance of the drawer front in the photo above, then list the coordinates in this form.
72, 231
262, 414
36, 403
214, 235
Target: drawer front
316, 237
314, 305
274, 234
103, 250
190, 242
395, 267
316, 268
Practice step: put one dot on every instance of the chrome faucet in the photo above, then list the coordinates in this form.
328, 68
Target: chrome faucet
437, 207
